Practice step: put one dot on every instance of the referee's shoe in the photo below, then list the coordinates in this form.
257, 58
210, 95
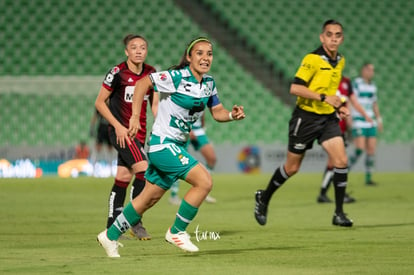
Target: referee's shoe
260, 211
341, 219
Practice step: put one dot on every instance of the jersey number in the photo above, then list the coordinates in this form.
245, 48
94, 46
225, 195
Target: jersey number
197, 107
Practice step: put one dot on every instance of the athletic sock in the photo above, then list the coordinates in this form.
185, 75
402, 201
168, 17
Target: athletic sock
369, 164
354, 158
185, 215
128, 218
116, 201
175, 187
326, 181
138, 185
278, 178
340, 180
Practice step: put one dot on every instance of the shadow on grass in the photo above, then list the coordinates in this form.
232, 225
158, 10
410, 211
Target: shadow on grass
240, 250
385, 225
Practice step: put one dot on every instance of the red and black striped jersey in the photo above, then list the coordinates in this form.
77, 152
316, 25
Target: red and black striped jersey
344, 90
120, 81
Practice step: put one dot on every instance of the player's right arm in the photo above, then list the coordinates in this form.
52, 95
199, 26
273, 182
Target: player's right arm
102, 107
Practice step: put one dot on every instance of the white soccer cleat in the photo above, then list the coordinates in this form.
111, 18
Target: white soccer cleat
111, 247
181, 240
210, 199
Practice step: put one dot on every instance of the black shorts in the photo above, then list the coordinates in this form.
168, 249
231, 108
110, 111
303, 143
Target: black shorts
131, 154
103, 134
306, 127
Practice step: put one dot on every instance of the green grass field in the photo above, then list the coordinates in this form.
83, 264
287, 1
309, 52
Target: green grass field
49, 226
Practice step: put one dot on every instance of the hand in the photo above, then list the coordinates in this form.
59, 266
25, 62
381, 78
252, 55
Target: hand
122, 136
380, 127
334, 100
192, 136
237, 112
343, 112
134, 126
368, 119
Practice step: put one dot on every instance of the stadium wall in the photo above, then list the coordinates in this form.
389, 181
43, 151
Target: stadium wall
243, 159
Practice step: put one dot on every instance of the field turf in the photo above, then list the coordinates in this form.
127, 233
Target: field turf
49, 226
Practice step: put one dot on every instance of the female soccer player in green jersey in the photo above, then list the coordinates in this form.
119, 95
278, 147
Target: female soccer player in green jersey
184, 92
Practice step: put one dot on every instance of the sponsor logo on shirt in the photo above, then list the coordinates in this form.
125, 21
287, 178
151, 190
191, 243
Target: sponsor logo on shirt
129, 93
163, 76
115, 70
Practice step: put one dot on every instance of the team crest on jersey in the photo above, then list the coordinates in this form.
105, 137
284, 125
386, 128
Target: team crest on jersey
163, 76
115, 70
206, 91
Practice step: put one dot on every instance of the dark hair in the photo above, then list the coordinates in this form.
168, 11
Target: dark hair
129, 37
366, 64
184, 62
331, 22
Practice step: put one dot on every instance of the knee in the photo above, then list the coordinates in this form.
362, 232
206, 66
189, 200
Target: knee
292, 169
341, 161
206, 183
123, 174
139, 166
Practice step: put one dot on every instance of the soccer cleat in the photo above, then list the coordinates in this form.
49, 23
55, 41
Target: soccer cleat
210, 199
371, 183
111, 247
260, 211
140, 232
341, 219
323, 199
349, 199
174, 200
181, 240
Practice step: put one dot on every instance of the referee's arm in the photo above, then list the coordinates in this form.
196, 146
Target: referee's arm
299, 88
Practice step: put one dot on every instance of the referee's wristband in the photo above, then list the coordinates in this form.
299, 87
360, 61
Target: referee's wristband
231, 116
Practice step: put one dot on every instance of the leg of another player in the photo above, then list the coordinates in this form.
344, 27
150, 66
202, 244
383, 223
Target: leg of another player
137, 187
174, 197
370, 160
326, 182
118, 194
335, 148
207, 151
359, 144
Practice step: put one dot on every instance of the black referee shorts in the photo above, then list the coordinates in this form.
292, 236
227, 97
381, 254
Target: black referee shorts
306, 127
131, 154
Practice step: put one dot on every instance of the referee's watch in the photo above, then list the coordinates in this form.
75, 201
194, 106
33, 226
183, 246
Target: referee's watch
323, 97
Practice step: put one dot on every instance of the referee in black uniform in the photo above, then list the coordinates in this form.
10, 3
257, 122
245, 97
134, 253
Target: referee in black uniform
315, 118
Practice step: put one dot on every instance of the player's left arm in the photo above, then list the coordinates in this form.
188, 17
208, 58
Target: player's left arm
221, 114
378, 116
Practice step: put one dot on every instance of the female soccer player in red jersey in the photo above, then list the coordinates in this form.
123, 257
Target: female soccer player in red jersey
114, 102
